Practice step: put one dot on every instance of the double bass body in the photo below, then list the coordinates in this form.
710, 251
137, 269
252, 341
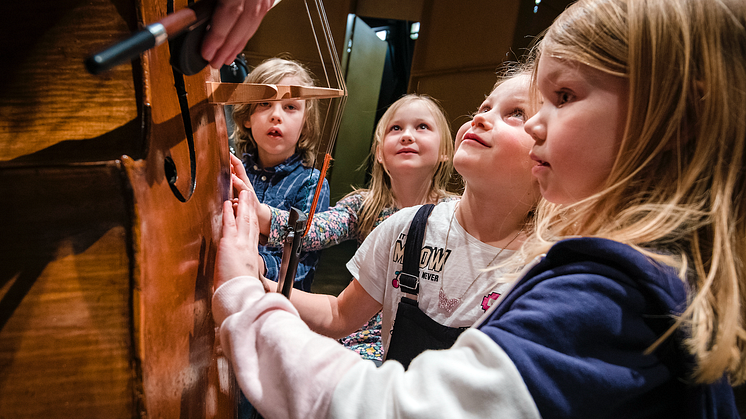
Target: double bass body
109, 224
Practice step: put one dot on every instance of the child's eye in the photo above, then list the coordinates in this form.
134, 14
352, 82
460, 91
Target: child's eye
395, 128
484, 109
563, 97
423, 126
291, 107
518, 113
262, 104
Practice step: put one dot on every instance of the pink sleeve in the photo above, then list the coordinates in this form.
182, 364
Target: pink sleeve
283, 368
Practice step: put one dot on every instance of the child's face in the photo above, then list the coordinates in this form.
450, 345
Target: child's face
493, 149
578, 129
412, 141
276, 127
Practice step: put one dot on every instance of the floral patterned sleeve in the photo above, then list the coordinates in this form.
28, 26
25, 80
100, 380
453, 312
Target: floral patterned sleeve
328, 228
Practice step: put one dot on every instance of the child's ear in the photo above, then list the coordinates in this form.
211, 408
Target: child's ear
379, 155
247, 124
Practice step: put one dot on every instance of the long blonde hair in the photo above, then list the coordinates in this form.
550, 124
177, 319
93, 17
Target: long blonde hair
272, 71
379, 195
678, 184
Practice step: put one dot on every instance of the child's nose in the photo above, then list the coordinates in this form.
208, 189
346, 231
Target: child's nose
535, 128
276, 114
407, 136
481, 121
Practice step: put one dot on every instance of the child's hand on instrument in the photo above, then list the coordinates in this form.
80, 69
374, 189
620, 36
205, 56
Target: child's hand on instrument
240, 182
239, 179
238, 253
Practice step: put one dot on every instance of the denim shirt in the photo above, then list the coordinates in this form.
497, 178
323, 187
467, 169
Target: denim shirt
289, 184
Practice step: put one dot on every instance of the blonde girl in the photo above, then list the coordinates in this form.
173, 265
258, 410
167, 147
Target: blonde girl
671, 182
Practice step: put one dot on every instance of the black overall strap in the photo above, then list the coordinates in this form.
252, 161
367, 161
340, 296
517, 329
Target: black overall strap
409, 277
414, 331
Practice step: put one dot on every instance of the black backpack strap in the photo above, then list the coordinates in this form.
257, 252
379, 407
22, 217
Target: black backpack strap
409, 277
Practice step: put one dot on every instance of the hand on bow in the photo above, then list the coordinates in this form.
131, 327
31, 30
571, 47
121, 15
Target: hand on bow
233, 23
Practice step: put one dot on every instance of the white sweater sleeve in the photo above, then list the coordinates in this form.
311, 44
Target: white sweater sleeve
283, 368
474, 379
288, 371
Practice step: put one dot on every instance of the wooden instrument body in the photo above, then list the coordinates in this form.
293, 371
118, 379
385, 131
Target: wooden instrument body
105, 275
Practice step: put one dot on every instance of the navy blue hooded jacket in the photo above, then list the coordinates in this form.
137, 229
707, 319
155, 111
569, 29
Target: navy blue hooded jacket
577, 327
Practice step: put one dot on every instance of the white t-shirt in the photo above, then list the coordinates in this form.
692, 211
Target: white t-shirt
460, 268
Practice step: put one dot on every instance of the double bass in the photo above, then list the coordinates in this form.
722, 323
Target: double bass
111, 191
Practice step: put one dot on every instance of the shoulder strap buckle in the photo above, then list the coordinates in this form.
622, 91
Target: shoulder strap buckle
409, 283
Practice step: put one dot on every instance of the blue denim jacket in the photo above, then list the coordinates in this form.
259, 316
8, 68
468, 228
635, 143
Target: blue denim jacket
289, 184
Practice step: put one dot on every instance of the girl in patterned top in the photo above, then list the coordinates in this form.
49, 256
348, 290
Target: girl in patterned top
413, 175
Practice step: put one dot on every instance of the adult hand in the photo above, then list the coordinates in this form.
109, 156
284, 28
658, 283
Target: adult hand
238, 253
233, 23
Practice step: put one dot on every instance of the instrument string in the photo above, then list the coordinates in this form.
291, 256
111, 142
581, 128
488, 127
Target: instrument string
336, 105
